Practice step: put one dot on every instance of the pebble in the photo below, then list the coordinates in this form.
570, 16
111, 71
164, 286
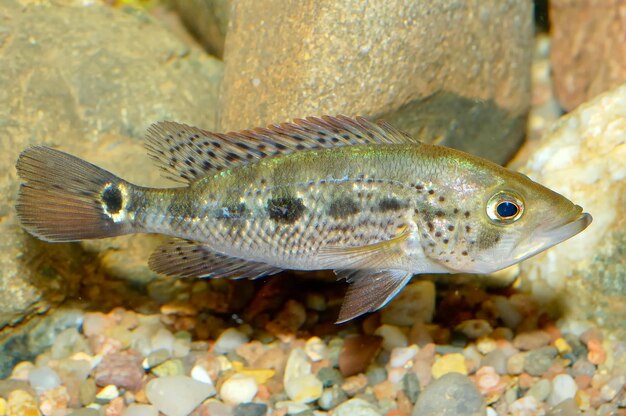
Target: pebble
356, 407
43, 378
141, 410
449, 363
293, 408
497, 360
21, 370
250, 409
122, 369
540, 390
401, 356
527, 405
569, 407
527, 341
474, 328
229, 340
355, 384
163, 340
3, 407
596, 354
304, 389
509, 314
539, 361
239, 388
200, 374
20, 403
87, 391
169, 368
316, 349
297, 365
488, 381
330, 376
107, 394
177, 395
411, 387
614, 386
415, 303
563, 388
462, 398
486, 344
331, 398
515, 363
357, 353
393, 337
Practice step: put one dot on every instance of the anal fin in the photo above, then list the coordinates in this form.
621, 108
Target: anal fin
187, 259
370, 290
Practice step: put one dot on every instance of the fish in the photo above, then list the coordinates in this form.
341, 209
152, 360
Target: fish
358, 197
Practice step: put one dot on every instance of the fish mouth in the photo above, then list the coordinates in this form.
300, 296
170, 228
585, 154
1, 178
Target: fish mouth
564, 230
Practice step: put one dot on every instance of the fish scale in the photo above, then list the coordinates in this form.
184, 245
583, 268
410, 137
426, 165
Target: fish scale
357, 197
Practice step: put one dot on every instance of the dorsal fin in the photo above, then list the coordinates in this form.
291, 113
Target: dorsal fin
188, 153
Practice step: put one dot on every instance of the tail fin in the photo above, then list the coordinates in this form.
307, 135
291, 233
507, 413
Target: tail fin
68, 199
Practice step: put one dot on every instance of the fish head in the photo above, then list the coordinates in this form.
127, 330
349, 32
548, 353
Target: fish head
501, 218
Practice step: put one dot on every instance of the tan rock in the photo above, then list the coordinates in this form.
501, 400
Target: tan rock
207, 20
453, 72
583, 157
588, 50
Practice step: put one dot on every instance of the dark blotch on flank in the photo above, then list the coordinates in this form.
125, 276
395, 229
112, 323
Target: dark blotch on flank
285, 209
112, 198
390, 204
343, 207
232, 211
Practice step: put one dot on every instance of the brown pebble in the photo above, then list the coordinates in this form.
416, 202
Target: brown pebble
582, 381
355, 384
527, 341
122, 369
594, 334
357, 352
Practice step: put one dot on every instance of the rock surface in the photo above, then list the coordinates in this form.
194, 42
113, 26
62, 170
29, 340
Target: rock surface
207, 20
583, 157
431, 69
462, 398
71, 82
588, 50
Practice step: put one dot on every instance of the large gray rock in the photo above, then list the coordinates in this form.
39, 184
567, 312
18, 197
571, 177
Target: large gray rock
451, 71
87, 80
452, 394
583, 157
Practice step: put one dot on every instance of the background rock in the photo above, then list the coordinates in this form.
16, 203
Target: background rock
583, 157
588, 49
450, 72
87, 80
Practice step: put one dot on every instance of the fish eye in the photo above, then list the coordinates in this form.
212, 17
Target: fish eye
505, 207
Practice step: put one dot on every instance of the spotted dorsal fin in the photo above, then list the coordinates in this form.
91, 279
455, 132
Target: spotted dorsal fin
183, 258
188, 153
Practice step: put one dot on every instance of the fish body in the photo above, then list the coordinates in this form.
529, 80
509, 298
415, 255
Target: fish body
363, 199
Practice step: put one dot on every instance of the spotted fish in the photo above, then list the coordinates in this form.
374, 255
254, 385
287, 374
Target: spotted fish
360, 198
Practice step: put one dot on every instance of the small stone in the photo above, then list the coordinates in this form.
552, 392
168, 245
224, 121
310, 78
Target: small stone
539, 361
239, 388
297, 365
3, 407
107, 394
515, 363
331, 398
163, 340
488, 381
527, 341
122, 369
54, 400
200, 374
288, 320
356, 407
509, 314
474, 328
251, 409
614, 386
563, 388
87, 391
357, 353
486, 344
43, 378
449, 363
316, 302
596, 354
540, 390
304, 389
141, 410
329, 376
393, 337
411, 386
415, 303
293, 408
562, 346
229, 340
355, 384
569, 407
452, 394
20, 403
402, 355
169, 368
155, 358
497, 360
177, 395
376, 374
21, 370
316, 349
527, 405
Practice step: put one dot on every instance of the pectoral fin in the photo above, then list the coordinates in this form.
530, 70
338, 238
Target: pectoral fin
370, 290
182, 258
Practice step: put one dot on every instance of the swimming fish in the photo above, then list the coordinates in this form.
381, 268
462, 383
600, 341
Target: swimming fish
358, 197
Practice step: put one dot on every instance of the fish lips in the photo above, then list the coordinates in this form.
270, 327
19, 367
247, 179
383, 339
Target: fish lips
545, 238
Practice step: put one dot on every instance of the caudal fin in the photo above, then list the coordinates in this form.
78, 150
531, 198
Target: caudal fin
65, 198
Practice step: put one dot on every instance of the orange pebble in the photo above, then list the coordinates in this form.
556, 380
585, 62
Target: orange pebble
263, 393
596, 354
396, 412
525, 380
583, 381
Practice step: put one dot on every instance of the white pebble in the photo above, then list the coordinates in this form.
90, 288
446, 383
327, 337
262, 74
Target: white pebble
292, 408
393, 337
108, 393
316, 349
181, 347
141, 410
229, 340
239, 388
297, 365
177, 395
21, 370
563, 388
402, 355
163, 340
304, 389
199, 373
491, 412
43, 378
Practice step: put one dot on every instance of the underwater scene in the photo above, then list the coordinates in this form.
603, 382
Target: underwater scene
342, 208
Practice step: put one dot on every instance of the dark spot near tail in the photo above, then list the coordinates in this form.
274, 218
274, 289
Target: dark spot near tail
343, 207
441, 199
467, 214
285, 210
439, 214
431, 191
112, 198
450, 227
445, 241
390, 204
431, 227
467, 229
464, 253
